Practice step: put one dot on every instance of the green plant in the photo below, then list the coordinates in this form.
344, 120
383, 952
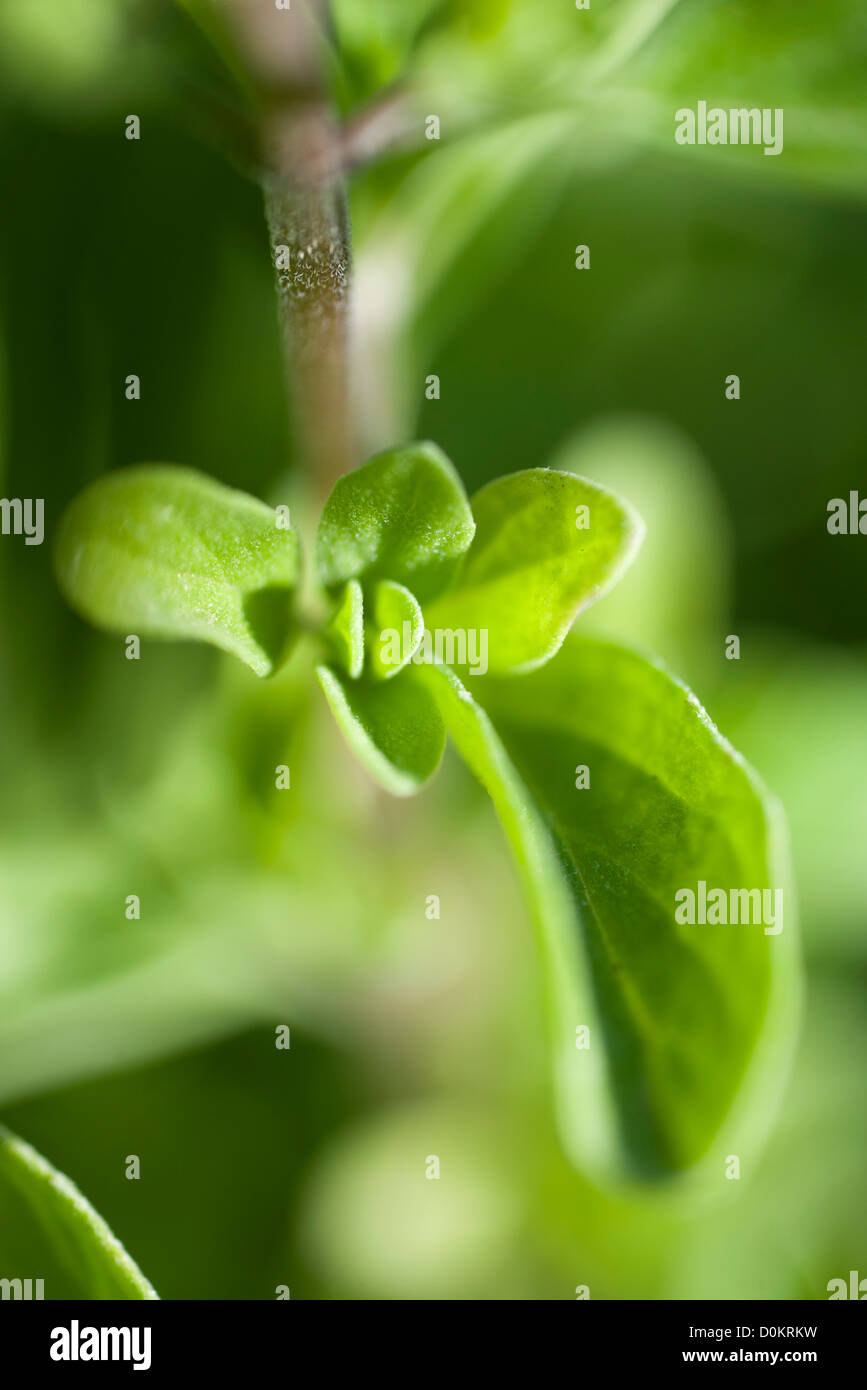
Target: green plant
669, 1039
687, 1031
615, 789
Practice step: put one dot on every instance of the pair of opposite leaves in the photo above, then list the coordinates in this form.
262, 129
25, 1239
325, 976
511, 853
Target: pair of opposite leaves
669, 1041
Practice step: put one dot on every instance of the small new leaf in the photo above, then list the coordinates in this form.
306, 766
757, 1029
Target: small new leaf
166, 552
346, 629
397, 631
546, 545
402, 516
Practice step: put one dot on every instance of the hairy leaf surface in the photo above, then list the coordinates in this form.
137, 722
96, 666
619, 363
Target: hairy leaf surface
546, 545
402, 516
162, 551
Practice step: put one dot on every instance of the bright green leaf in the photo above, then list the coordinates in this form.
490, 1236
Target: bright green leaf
394, 727
346, 629
402, 516
690, 1027
546, 545
398, 631
665, 477
49, 1231
162, 551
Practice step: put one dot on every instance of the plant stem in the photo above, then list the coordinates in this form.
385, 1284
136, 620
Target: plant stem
306, 210
311, 222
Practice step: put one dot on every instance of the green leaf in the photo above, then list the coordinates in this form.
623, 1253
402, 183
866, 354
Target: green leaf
663, 473
533, 565
49, 1231
402, 516
161, 551
346, 629
690, 1027
394, 727
393, 607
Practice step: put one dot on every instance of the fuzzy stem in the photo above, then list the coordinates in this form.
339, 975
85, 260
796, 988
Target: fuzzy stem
306, 210
312, 223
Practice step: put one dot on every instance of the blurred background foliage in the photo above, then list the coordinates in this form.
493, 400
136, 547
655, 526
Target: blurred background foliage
413, 1037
